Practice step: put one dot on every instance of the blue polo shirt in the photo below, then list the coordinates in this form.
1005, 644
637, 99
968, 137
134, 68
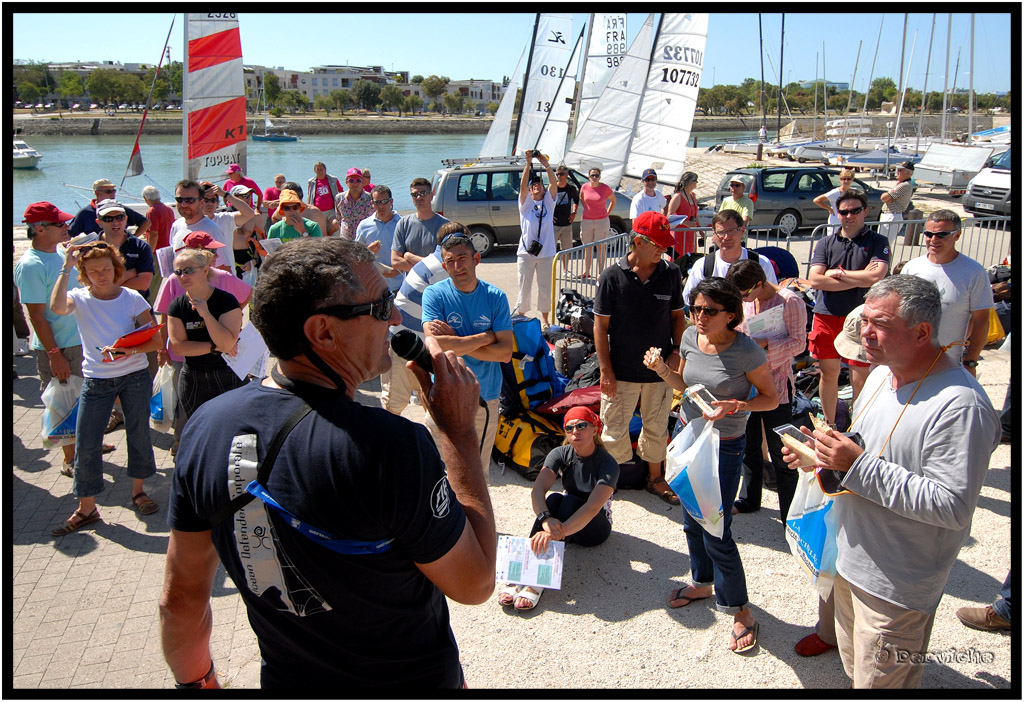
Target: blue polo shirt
854, 254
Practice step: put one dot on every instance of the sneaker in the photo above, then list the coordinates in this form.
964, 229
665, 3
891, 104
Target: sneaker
21, 348
68, 470
983, 618
812, 645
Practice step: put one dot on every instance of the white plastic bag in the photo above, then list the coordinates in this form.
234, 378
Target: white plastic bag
60, 411
163, 400
811, 530
249, 276
691, 470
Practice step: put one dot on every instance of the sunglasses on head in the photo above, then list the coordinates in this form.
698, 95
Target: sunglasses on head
940, 235
695, 310
455, 235
187, 270
848, 213
576, 426
96, 245
112, 218
185, 200
382, 309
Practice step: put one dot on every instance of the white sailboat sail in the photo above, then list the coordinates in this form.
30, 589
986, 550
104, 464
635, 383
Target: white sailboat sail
496, 142
553, 135
214, 125
666, 111
604, 139
605, 49
548, 61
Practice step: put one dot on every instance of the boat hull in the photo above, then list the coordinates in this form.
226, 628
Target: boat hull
26, 161
274, 137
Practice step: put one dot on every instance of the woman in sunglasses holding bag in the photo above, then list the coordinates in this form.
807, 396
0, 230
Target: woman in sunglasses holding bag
537, 242
201, 324
582, 513
106, 311
729, 364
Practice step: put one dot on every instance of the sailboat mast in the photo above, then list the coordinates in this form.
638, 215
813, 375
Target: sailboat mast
782, 43
760, 44
824, 86
636, 118
945, 78
814, 119
583, 77
924, 90
871, 73
903, 95
526, 78
135, 160
970, 90
849, 100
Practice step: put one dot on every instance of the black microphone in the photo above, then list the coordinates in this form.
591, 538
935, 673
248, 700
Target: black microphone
407, 344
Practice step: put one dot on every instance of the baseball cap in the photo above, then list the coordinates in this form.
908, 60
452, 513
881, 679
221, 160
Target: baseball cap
908, 165
45, 212
199, 240
354, 172
847, 342
102, 183
649, 173
654, 226
738, 179
105, 206
240, 191
234, 168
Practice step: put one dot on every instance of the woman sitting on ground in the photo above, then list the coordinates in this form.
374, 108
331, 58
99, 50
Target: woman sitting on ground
582, 513
201, 324
105, 311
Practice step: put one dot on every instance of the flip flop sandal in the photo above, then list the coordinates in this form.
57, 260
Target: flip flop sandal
678, 595
667, 495
76, 521
68, 470
530, 595
144, 504
507, 597
116, 420
746, 630
108, 448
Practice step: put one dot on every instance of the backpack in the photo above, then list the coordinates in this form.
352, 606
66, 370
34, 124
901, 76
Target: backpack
523, 440
588, 374
529, 378
576, 312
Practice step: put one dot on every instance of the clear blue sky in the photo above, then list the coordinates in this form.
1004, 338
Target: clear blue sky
478, 45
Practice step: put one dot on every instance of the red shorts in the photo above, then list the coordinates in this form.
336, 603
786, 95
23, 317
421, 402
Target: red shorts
821, 339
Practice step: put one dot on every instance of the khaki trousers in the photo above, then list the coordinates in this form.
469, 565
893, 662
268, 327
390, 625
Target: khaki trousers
655, 402
396, 385
486, 427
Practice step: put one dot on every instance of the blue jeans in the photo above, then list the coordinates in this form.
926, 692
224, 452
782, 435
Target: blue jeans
98, 395
1002, 607
713, 560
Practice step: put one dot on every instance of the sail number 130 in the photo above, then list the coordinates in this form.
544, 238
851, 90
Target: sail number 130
680, 76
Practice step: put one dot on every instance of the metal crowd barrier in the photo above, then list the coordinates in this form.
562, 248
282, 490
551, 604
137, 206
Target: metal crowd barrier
985, 239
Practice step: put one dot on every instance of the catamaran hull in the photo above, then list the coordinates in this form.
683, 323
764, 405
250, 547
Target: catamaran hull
274, 137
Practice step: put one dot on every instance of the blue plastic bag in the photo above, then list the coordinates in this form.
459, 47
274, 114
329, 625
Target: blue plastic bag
60, 411
163, 399
691, 470
811, 530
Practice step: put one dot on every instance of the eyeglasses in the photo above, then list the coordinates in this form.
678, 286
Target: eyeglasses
382, 309
51, 224
650, 180
940, 235
107, 190
577, 426
729, 232
845, 179
112, 218
354, 180
594, 175
751, 289
562, 175
188, 270
695, 310
185, 200
290, 208
211, 200
736, 185
419, 193
849, 213
652, 242
382, 202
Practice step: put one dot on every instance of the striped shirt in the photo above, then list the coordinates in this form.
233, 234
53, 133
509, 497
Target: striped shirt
900, 195
780, 352
409, 300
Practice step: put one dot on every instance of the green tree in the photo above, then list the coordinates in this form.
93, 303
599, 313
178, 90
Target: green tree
416, 80
323, 102
295, 99
272, 88
101, 85
392, 96
492, 107
161, 89
883, 89
434, 87
28, 92
341, 99
413, 103
36, 73
367, 93
454, 103
70, 85
129, 88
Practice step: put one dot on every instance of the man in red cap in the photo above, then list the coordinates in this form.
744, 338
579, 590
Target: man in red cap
639, 304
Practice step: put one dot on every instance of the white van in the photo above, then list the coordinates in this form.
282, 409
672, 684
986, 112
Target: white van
988, 193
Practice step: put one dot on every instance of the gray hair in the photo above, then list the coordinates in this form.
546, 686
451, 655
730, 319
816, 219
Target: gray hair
919, 299
945, 216
150, 194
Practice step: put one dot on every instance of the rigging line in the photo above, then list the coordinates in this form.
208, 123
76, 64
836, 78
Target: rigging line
558, 90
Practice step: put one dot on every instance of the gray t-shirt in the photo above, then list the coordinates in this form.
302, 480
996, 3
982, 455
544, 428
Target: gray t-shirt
416, 235
723, 374
964, 287
901, 530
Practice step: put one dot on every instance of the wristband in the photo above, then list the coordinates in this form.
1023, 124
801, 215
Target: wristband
198, 684
54, 351
543, 517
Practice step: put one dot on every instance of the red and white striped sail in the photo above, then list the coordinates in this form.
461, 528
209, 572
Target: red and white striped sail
213, 126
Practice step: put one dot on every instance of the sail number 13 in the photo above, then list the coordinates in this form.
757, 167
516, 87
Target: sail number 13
680, 76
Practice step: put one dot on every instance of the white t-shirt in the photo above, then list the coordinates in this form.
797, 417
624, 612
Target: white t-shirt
964, 288
721, 268
225, 254
642, 202
101, 323
534, 214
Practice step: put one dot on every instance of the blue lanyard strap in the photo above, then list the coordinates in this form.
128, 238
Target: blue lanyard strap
347, 547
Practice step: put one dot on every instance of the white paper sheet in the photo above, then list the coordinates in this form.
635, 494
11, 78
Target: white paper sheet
770, 324
271, 244
251, 350
518, 564
165, 257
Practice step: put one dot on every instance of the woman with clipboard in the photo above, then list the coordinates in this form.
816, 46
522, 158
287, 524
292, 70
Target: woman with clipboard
114, 346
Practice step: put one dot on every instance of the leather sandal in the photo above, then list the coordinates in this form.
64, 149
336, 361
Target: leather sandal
144, 504
662, 490
76, 521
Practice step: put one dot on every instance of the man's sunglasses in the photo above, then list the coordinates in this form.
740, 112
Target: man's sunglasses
570, 428
419, 193
940, 235
51, 224
354, 180
382, 309
848, 213
211, 200
111, 218
695, 310
290, 208
382, 202
185, 200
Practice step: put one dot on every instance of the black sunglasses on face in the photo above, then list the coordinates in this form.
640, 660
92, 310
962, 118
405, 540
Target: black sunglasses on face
848, 213
185, 200
111, 218
695, 310
382, 309
940, 235
570, 428
382, 202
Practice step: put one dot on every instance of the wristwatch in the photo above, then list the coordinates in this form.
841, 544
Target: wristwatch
970, 364
198, 684
543, 517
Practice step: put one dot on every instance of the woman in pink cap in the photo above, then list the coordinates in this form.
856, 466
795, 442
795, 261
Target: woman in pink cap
582, 512
355, 205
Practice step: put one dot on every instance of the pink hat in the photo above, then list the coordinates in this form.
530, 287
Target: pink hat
354, 172
199, 240
234, 168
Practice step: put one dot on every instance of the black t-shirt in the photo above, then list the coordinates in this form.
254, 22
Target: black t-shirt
138, 257
563, 204
853, 254
325, 619
639, 315
580, 476
195, 326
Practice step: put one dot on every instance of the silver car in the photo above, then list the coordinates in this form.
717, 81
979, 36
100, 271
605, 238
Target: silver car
485, 198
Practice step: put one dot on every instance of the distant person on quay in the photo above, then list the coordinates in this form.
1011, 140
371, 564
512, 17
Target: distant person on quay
160, 216
897, 201
567, 203
354, 206
416, 234
648, 199
236, 223
293, 224
829, 201
235, 177
322, 191
368, 608
85, 221
188, 195
684, 202
105, 311
580, 514
737, 201
377, 232
907, 490
727, 232
270, 196
598, 202
537, 238
367, 185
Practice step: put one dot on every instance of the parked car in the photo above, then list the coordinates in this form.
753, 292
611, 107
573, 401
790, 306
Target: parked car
988, 193
485, 198
785, 195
